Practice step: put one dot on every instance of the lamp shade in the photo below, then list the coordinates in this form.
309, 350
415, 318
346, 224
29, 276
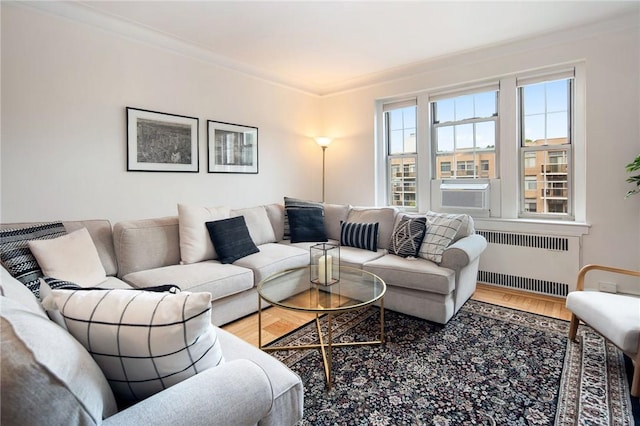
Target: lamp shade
322, 141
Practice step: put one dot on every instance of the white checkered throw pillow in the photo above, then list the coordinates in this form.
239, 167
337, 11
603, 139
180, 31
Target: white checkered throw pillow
143, 341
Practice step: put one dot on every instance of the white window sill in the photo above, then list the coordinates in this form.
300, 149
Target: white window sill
532, 226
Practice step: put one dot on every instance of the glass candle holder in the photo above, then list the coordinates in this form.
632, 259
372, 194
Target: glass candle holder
324, 264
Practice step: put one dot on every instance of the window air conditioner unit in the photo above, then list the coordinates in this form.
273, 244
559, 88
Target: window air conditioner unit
465, 196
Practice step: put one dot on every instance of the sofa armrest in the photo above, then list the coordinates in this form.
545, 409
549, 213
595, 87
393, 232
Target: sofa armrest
463, 252
236, 392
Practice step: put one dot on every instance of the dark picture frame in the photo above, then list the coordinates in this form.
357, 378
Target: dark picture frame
232, 148
162, 142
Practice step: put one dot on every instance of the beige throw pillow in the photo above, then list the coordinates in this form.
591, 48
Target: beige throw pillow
195, 243
72, 257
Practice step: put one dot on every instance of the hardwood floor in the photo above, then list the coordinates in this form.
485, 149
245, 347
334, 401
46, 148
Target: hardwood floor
277, 322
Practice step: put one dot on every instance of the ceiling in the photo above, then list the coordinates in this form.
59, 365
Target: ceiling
323, 47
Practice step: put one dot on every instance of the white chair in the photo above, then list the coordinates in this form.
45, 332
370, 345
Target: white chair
615, 316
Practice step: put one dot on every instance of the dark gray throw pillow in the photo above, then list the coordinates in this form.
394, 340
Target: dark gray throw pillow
231, 239
306, 225
295, 203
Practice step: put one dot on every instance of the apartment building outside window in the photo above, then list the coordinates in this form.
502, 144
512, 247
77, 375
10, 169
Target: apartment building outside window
545, 122
400, 136
464, 134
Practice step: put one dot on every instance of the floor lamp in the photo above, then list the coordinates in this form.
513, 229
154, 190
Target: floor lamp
324, 143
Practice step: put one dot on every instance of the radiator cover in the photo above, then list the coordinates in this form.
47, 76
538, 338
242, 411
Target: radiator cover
546, 264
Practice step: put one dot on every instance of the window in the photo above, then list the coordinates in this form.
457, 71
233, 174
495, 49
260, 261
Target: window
545, 145
464, 134
522, 136
401, 148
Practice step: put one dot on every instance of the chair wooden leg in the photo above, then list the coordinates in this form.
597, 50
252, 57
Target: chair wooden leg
573, 327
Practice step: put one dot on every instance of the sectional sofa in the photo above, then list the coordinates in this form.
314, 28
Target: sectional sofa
431, 283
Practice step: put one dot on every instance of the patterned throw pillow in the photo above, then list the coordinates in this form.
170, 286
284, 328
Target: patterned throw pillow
17, 257
294, 203
231, 239
407, 236
143, 341
441, 230
359, 235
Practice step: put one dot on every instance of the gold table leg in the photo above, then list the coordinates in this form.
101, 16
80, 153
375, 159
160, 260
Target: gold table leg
326, 347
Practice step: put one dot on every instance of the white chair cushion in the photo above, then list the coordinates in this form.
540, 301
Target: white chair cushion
615, 316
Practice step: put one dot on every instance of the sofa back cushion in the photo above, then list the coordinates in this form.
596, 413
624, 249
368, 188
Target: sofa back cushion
334, 214
384, 216
195, 243
258, 223
147, 244
275, 213
43, 365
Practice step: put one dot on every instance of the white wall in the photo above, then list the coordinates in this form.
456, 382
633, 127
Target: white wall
611, 52
65, 87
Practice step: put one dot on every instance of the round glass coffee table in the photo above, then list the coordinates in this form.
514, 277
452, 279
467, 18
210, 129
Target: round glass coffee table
292, 289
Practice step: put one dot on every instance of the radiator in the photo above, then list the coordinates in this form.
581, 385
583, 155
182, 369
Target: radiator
546, 264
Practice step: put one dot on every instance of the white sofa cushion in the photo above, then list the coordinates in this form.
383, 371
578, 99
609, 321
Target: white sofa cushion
272, 258
143, 341
195, 243
258, 224
384, 216
72, 257
47, 376
211, 276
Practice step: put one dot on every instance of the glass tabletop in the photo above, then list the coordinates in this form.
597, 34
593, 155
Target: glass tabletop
293, 289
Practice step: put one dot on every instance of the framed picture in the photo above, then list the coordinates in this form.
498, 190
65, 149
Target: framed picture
232, 148
160, 142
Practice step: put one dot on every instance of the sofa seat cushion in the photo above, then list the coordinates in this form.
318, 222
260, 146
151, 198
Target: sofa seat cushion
273, 258
413, 273
210, 276
42, 365
288, 391
616, 316
355, 257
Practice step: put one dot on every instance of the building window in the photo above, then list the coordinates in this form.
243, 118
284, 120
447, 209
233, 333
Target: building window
400, 136
545, 121
464, 134
528, 127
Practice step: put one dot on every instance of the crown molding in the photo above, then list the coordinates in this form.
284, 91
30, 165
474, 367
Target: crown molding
83, 13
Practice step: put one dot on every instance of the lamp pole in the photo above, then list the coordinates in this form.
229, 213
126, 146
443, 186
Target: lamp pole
324, 143
324, 148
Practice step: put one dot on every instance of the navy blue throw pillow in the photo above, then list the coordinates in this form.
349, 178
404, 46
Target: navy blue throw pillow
231, 239
306, 225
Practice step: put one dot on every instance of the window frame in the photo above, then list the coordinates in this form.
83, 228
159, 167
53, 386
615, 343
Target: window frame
569, 76
505, 193
390, 157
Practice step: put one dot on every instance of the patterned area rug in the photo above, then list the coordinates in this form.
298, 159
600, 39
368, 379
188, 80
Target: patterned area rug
489, 365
